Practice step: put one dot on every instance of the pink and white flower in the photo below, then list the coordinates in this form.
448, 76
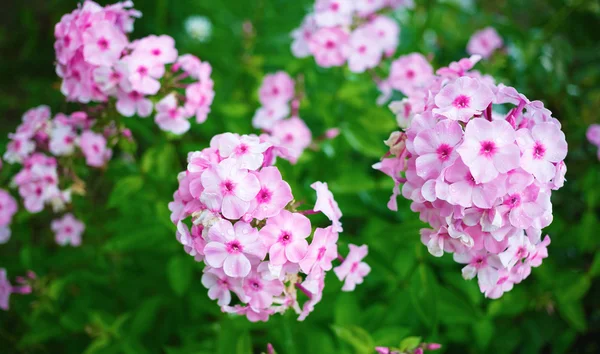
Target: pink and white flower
327, 205
353, 270
484, 42
94, 149
463, 99
329, 45
68, 230
285, 235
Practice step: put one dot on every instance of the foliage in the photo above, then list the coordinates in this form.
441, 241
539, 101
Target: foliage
131, 289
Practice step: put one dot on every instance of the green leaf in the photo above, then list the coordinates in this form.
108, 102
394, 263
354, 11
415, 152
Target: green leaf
357, 337
595, 267
409, 343
574, 314
346, 310
244, 344
123, 190
484, 331
423, 290
179, 272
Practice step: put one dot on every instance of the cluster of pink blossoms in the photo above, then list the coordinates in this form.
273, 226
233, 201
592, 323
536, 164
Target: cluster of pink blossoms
278, 117
484, 42
97, 62
593, 136
6, 288
349, 31
479, 162
247, 230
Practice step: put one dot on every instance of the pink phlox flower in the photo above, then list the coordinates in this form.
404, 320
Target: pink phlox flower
229, 189
462, 99
519, 248
144, 72
133, 102
198, 99
193, 242
464, 191
327, 205
194, 67
8, 208
364, 50
266, 117
109, 78
541, 149
302, 36
170, 116
62, 140
220, 285
541, 251
103, 43
593, 134
285, 236
321, 251
329, 13
365, 8
253, 315
484, 42
246, 149
260, 291
436, 148
481, 264
410, 73
329, 45
353, 270
489, 149
229, 247
276, 88
161, 48
94, 149
273, 196
68, 230
293, 136
18, 149
459, 68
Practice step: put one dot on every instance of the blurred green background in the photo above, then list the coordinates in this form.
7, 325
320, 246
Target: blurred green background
131, 289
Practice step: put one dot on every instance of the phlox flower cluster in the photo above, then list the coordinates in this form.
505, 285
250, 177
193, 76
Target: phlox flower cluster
278, 117
484, 42
356, 32
6, 288
246, 228
593, 136
479, 161
98, 62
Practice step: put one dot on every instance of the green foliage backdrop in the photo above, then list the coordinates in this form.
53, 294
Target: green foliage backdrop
131, 289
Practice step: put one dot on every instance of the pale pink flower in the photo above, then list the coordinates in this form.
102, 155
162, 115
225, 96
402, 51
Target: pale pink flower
489, 149
302, 36
364, 50
198, 99
403, 111
194, 67
593, 134
193, 242
266, 117
481, 264
144, 72
273, 196
327, 205
109, 78
464, 191
94, 148
229, 189
329, 46
329, 13
368, 7
293, 135
353, 269
386, 32
526, 205
133, 102
62, 140
484, 42
436, 148
103, 43
68, 230
321, 251
161, 48
410, 73
8, 208
462, 99
170, 116
253, 314
247, 150
519, 248
541, 148
220, 285
230, 246
285, 235
261, 291
276, 88
19, 148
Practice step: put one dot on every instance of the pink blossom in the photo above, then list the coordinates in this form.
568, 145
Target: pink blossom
526, 205
133, 102
302, 36
327, 205
519, 248
261, 291
247, 150
285, 235
273, 196
144, 72
364, 50
329, 13
463, 99
403, 111
68, 230
276, 88
103, 43
386, 31
220, 285
8, 208
593, 134
109, 78
170, 116
353, 270
194, 67
437, 148
482, 264
464, 191
329, 46
230, 246
19, 148
541, 148
253, 315
62, 140
321, 252
488, 149
292, 135
367, 7
199, 97
193, 242
410, 73
160, 48
266, 117
94, 148
229, 189
484, 42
